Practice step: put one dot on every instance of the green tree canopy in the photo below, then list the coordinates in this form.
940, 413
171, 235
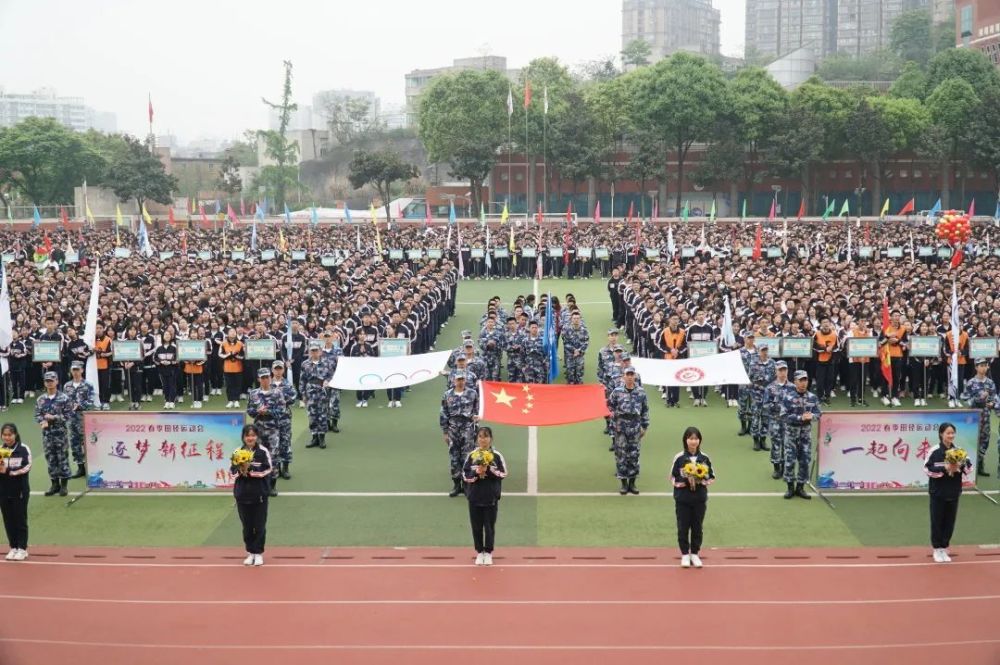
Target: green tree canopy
139, 174
380, 169
463, 121
910, 37
636, 53
44, 161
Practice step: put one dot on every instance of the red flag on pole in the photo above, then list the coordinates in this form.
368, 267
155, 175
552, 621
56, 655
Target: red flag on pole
527, 94
204, 217
48, 243
528, 404
972, 208
802, 210
956, 258
885, 360
243, 210
232, 214
540, 215
756, 244
569, 211
774, 210
150, 109
631, 210
170, 216
64, 217
910, 207
566, 244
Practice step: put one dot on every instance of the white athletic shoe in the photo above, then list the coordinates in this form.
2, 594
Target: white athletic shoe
391, 405
833, 393
364, 404
249, 560
895, 401
945, 558
196, 405
229, 405
180, 400
479, 558
951, 404
258, 559
399, 405
23, 554
11, 554
885, 401
696, 561
685, 561
358, 405
487, 559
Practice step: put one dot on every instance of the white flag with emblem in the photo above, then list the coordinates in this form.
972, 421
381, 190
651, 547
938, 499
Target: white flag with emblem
716, 370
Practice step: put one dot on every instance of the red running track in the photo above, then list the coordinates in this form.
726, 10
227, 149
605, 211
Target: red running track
422, 606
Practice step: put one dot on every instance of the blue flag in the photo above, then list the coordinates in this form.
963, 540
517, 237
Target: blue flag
550, 342
288, 215
451, 213
314, 217
996, 215
218, 207
37, 217
264, 206
347, 213
935, 210
260, 212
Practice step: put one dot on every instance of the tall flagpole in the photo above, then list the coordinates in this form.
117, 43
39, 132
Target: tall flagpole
527, 171
510, 114
545, 161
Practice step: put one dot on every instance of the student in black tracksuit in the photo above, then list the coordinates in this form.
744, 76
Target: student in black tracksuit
14, 491
251, 489
945, 488
482, 488
690, 497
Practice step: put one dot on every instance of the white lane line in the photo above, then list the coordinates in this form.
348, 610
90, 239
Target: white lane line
464, 647
493, 601
505, 566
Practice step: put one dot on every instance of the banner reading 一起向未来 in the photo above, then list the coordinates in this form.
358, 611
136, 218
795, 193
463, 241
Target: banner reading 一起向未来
129, 450
886, 450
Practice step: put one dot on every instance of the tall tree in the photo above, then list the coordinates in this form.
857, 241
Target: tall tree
970, 65
953, 105
277, 145
229, 180
139, 174
463, 121
985, 127
350, 119
910, 37
380, 169
678, 99
796, 148
44, 161
756, 102
636, 53
646, 165
607, 104
911, 82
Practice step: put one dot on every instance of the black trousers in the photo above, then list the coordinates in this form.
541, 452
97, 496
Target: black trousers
690, 517
897, 375
234, 386
855, 382
15, 521
483, 520
824, 379
168, 379
673, 395
944, 512
253, 516
104, 385
197, 384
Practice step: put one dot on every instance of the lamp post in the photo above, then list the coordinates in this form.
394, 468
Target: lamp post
652, 202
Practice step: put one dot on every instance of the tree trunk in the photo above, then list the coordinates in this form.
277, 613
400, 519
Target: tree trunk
946, 182
877, 187
734, 198
591, 195
680, 177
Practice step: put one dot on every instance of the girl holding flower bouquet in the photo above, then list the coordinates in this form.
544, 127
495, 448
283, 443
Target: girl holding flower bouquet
691, 475
483, 471
946, 467
251, 464
15, 463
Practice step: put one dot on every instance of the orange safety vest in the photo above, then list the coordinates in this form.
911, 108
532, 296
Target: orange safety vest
895, 350
102, 345
232, 365
822, 340
963, 342
674, 340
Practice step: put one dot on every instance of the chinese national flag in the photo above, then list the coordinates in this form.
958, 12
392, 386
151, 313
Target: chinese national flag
757, 245
885, 360
170, 215
528, 404
802, 210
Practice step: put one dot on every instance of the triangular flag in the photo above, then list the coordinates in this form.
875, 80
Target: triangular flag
743, 215
527, 94
909, 208
711, 213
685, 211
145, 214
845, 209
597, 211
545, 100
972, 208
503, 215
170, 216
288, 215
802, 209
510, 101
774, 209
829, 209
36, 217
885, 209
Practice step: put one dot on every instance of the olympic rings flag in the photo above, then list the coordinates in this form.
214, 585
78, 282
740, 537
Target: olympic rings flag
384, 373
715, 370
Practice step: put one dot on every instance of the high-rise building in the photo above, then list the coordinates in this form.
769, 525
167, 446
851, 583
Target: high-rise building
978, 26
44, 103
418, 79
669, 26
851, 27
942, 10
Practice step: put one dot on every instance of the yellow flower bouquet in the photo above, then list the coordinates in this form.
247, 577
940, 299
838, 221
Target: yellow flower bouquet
695, 471
5, 452
242, 456
482, 457
955, 456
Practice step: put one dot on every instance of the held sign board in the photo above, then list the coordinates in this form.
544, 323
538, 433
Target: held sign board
796, 347
191, 350
700, 349
983, 347
126, 349
391, 347
45, 352
925, 346
177, 450
886, 450
862, 347
260, 349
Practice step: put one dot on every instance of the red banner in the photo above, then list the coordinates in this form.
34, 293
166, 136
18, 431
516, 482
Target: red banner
529, 404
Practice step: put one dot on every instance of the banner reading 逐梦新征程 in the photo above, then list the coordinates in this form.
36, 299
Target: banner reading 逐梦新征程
887, 450
180, 450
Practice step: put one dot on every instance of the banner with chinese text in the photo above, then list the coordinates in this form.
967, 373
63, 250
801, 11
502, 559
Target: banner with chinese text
178, 450
876, 450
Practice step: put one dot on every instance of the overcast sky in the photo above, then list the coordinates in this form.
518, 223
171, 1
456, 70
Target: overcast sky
207, 63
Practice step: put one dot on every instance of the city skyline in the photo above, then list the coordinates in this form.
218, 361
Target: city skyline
205, 69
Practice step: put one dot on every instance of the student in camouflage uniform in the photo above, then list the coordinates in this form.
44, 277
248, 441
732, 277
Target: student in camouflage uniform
284, 420
762, 373
799, 409
266, 406
491, 346
333, 351
536, 363
52, 411
81, 397
605, 358
313, 377
980, 393
513, 346
458, 418
743, 392
576, 340
630, 420
773, 396
474, 364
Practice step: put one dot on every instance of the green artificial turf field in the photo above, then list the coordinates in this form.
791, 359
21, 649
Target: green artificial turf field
383, 480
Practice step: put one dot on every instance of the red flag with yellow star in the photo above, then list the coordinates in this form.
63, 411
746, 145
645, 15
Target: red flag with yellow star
529, 404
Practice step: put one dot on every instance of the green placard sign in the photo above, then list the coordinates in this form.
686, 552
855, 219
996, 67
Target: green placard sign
396, 254
774, 252
773, 345
602, 253
796, 347
166, 255
529, 252
501, 253
434, 253
205, 255
555, 252
865, 252
268, 255
687, 252
983, 347
126, 350
894, 252
477, 252
925, 346
414, 254
191, 350
7, 258
259, 349
652, 253
72, 257
925, 251
298, 255
701, 349
392, 347
238, 255
746, 251
862, 347
328, 261
584, 252
45, 352
122, 252
944, 252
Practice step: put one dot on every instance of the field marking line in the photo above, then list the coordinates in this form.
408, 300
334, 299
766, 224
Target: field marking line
536, 493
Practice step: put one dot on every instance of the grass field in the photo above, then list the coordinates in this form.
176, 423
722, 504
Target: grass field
382, 452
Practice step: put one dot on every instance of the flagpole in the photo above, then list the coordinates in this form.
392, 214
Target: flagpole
527, 169
510, 114
545, 162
